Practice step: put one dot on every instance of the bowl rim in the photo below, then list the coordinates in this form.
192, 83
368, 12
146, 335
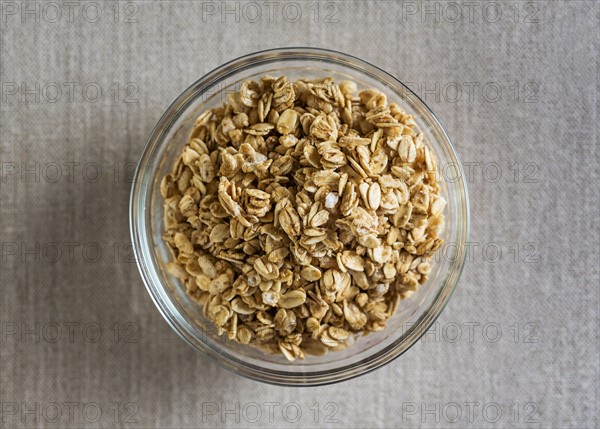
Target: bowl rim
149, 273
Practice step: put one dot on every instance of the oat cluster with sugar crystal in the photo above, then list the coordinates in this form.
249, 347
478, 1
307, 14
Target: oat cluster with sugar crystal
301, 213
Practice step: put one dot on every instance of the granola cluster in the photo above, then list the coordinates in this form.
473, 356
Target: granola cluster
300, 213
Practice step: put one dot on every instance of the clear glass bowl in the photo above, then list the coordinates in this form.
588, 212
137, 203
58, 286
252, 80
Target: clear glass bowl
414, 315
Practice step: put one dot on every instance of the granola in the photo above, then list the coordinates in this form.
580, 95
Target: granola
300, 213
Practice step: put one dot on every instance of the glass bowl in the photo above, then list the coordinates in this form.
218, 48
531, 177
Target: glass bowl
414, 315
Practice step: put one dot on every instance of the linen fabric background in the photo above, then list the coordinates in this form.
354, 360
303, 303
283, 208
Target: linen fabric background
514, 83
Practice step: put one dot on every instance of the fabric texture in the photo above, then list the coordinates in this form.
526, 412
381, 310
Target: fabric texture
514, 83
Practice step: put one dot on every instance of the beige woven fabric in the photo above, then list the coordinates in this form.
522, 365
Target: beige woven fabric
516, 86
